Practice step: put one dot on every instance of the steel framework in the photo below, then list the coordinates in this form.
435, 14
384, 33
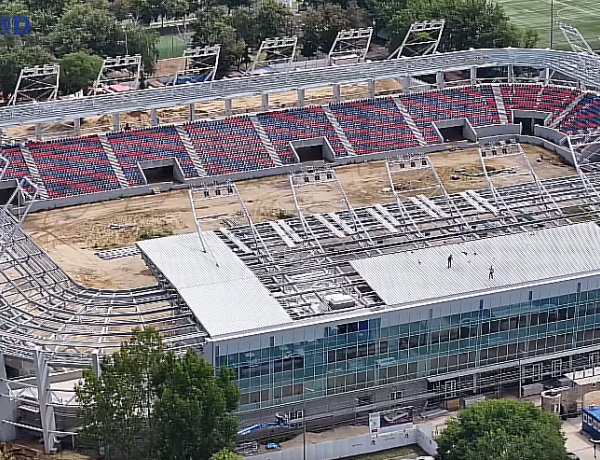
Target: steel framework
350, 45
275, 53
422, 39
36, 84
563, 62
200, 63
581, 47
121, 69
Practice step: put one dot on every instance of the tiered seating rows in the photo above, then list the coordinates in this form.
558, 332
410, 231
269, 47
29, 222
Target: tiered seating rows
73, 166
585, 115
550, 99
159, 143
80, 165
297, 124
229, 146
374, 125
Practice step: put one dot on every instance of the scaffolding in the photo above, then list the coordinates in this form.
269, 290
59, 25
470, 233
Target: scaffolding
275, 54
36, 84
199, 64
121, 70
422, 39
350, 45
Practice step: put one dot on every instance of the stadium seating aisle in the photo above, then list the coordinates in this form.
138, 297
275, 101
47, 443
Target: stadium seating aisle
17, 167
160, 143
296, 124
229, 146
585, 115
374, 125
73, 166
552, 99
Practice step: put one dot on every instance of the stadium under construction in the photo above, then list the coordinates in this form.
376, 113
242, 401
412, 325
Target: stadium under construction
432, 296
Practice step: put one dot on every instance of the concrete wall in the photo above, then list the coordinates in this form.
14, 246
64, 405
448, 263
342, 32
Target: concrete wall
389, 438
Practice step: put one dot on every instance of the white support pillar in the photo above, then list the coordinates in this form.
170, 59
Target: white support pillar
8, 407
38, 131
228, 107
511, 73
77, 126
192, 112
116, 122
405, 82
42, 374
371, 88
154, 117
439, 79
265, 101
473, 75
546, 76
337, 93
301, 97
96, 364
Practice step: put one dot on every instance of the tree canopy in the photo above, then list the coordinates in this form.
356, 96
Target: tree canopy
150, 404
502, 430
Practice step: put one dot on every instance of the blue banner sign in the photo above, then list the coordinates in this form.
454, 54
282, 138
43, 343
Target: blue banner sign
15, 25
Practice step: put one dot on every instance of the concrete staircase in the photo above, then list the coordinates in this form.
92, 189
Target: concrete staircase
339, 131
500, 104
34, 172
409, 121
191, 151
112, 159
266, 141
562, 115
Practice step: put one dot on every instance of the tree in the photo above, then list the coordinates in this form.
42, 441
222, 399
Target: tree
502, 430
469, 24
150, 404
78, 71
226, 454
273, 20
192, 401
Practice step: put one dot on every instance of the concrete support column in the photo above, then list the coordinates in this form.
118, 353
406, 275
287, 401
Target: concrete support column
153, 117
511, 73
192, 112
116, 122
96, 364
301, 97
473, 75
38, 131
439, 79
77, 125
546, 75
47, 418
371, 87
228, 107
337, 93
405, 82
265, 101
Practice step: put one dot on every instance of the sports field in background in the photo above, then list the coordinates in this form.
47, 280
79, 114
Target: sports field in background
583, 14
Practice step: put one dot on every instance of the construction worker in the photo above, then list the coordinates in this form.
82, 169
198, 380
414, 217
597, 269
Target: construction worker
450, 261
491, 272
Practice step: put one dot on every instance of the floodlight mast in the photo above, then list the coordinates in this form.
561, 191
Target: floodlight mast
422, 39
351, 44
36, 84
199, 62
275, 51
120, 69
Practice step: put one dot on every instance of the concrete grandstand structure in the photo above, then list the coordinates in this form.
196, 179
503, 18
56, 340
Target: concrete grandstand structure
350, 306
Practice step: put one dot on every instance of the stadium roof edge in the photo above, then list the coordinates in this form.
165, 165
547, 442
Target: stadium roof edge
581, 68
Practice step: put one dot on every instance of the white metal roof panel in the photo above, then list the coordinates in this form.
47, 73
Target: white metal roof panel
517, 259
225, 298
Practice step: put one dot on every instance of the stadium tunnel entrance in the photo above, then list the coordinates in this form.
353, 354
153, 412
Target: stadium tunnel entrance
455, 130
528, 119
7, 191
161, 171
316, 149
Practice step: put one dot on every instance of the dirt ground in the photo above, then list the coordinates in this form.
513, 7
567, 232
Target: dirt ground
141, 119
73, 235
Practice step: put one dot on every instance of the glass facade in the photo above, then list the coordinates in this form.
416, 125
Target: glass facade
334, 358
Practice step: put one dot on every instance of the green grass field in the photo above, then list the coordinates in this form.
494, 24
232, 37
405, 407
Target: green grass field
170, 46
583, 14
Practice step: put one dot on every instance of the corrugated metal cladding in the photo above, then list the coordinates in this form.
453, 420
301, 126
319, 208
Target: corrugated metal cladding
517, 259
225, 299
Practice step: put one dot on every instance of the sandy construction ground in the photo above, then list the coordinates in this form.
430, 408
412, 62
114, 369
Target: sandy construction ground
73, 235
